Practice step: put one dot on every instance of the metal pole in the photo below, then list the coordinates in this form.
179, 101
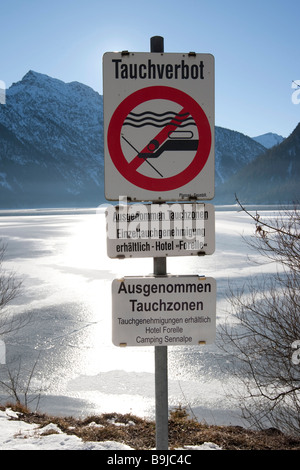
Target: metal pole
161, 352
157, 44
161, 379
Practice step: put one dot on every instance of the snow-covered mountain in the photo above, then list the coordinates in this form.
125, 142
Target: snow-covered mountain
269, 139
51, 145
233, 150
51, 138
272, 177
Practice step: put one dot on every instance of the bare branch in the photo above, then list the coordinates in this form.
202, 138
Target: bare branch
266, 313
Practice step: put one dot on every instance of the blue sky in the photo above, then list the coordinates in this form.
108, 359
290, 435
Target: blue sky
255, 45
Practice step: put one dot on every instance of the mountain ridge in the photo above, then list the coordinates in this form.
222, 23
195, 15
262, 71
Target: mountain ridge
269, 140
271, 178
51, 146
57, 134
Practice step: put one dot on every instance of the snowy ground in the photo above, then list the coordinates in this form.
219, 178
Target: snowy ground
18, 435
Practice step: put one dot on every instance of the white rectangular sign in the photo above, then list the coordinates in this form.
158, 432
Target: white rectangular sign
159, 230
163, 311
158, 126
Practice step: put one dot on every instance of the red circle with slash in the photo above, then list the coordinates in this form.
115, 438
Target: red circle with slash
129, 169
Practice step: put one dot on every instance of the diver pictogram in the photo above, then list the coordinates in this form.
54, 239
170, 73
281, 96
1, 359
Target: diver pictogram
178, 140
159, 138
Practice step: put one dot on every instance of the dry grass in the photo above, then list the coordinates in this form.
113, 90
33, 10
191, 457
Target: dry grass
139, 433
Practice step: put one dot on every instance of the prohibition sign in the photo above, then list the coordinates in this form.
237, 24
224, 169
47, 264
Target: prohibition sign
129, 170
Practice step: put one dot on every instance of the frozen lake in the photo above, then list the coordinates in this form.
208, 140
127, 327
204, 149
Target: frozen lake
61, 257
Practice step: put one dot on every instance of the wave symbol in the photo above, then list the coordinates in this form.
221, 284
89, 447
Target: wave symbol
149, 118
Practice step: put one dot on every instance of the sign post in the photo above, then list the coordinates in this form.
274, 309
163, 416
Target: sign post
161, 377
159, 147
161, 352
